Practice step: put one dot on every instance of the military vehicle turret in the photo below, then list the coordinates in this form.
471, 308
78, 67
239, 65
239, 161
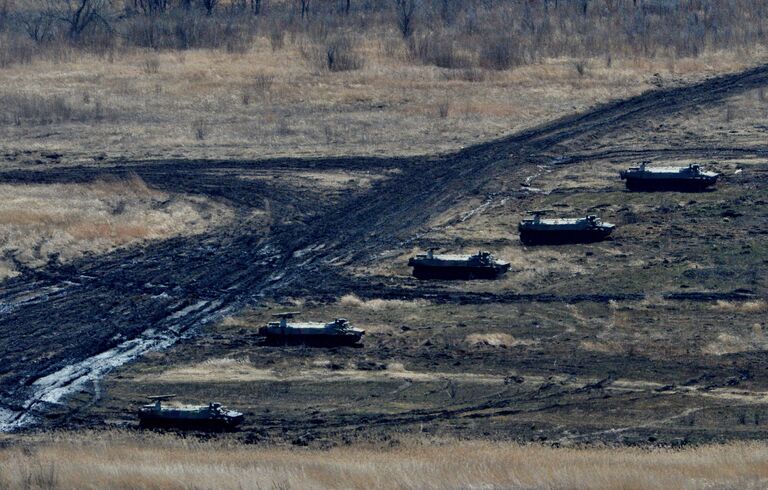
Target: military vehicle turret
337, 332
206, 417
563, 230
690, 178
482, 265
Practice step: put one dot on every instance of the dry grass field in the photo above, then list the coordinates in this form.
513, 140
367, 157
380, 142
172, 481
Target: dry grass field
124, 461
259, 103
57, 223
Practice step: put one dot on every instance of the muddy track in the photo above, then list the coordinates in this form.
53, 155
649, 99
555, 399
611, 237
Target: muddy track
62, 325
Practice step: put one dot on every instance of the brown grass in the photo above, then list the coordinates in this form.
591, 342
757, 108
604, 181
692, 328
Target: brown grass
122, 461
262, 102
377, 304
38, 222
495, 339
754, 306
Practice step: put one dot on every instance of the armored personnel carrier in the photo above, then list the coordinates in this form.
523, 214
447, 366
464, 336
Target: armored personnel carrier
563, 230
206, 417
690, 178
337, 332
482, 265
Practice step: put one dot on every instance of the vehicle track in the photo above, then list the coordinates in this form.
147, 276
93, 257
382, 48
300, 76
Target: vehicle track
155, 294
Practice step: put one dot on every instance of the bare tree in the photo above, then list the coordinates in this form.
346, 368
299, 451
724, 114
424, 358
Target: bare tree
209, 5
448, 10
303, 6
406, 10
77, 15
256, 7
5, 9
37, 24
151, 7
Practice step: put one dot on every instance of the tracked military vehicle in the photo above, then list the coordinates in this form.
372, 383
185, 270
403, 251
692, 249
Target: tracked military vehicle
690, 178
337, 332
482, 265
207, 417
538, 230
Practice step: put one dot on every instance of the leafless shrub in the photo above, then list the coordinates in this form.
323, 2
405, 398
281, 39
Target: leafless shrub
329, 134
277, 38
22, 109
260, 85
151, 65
761, 95
338, 54
444, 108
341, 55
500, 53
237, 44
439, 50
263, 82
392, 47
467, 75
187, 29
283, 129
405, 10
40, 475
15, 50
199, 129
581, 67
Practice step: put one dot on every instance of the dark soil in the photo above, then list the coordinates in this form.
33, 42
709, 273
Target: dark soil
54, 317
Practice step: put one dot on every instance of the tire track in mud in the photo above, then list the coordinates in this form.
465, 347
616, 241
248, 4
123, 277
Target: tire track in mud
103, 311
635, 154
470, 298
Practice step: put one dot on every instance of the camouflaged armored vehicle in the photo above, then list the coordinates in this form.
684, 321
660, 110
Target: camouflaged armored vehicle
206, 417
690, 178
482, 265
538, 230
337, 332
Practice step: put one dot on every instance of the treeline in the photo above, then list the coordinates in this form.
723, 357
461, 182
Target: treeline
492, 34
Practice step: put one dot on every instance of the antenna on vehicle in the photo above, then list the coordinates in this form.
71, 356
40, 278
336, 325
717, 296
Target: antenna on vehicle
161, 397
284, 316
538, 213
158, 399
